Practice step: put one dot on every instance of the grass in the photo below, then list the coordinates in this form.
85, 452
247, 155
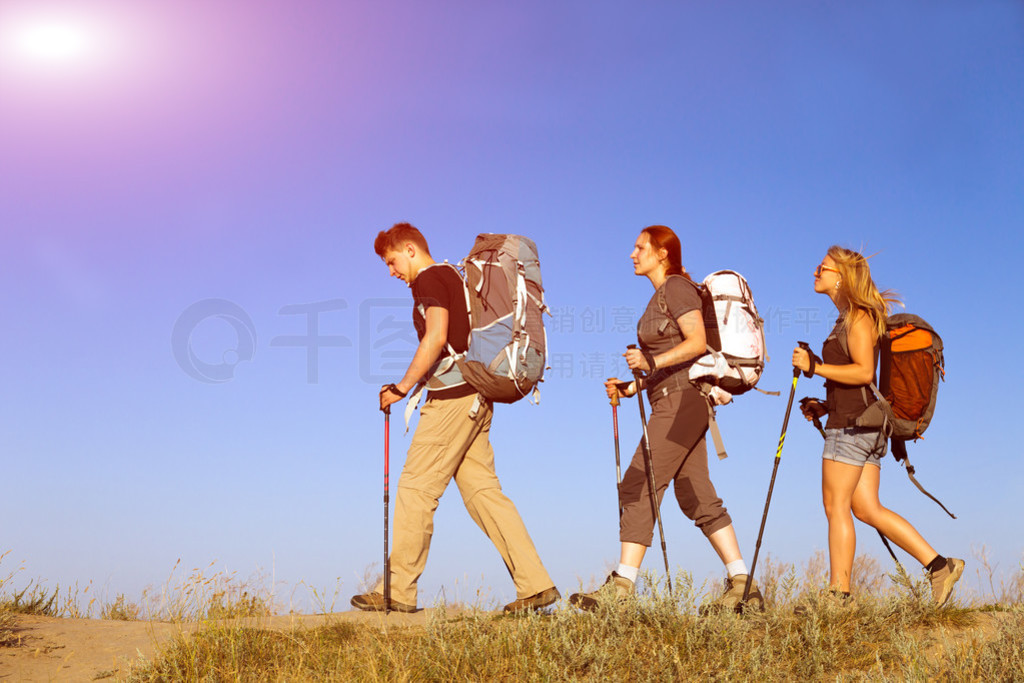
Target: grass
7, 623
201, 595
894, 633
660, 637
121, 610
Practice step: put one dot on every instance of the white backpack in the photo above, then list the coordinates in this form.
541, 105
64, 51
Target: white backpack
735, 337
735, 355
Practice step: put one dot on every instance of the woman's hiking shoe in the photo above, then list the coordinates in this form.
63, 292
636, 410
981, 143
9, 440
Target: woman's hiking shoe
732, 599
616, 590
944, 579
374, 602
534, 602
827, 600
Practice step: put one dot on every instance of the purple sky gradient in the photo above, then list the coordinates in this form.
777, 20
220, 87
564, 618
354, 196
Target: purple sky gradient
249, 152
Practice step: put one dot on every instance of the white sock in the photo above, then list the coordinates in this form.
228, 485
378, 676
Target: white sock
736, 567
628, 572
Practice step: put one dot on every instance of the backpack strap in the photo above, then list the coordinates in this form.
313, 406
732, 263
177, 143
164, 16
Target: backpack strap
447, 365
663, 309
705, 389
899, 451
716, 434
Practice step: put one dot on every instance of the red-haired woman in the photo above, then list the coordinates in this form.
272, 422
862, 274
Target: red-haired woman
678, 422
851, 461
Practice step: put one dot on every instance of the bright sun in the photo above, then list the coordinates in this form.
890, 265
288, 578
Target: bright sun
52, 41
55, 42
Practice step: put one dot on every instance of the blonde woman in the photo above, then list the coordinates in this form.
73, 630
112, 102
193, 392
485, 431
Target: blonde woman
851, 461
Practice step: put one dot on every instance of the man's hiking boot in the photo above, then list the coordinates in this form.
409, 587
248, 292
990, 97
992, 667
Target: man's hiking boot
374, 602
944, 579
732, 599
826, 600
616, 590
534, 602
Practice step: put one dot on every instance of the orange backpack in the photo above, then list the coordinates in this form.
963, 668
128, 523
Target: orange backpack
910, 368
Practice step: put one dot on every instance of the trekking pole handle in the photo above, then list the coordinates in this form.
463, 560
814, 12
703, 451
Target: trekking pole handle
806, 347
810, 354
614, 400
814, 418
637, 372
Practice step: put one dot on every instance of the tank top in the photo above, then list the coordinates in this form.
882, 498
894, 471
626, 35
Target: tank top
845, 402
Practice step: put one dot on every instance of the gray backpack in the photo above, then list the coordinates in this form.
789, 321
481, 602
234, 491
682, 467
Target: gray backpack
507, 342
505, 297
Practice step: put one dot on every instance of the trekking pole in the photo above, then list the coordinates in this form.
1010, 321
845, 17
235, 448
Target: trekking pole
649, 466
387, 487
771, 484
814, 418
615, 429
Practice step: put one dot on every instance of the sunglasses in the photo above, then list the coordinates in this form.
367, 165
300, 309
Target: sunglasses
821, 268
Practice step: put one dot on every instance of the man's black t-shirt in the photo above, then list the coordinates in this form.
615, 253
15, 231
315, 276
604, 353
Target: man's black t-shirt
441, 285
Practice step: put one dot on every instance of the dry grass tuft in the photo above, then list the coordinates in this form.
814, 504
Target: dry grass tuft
121, 610
7, 622
895, 639
1002, 591
895, 632
205, 595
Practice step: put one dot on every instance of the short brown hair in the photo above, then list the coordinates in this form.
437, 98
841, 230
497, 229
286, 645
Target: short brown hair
398, 234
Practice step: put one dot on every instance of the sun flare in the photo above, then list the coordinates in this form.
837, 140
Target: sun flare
52, 42
55, 42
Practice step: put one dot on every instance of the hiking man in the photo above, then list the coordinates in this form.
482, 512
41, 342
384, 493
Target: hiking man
452, 439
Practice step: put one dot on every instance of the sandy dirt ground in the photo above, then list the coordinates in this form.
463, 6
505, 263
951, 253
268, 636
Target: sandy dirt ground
54, 649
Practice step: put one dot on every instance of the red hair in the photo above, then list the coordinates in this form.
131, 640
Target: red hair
663, 237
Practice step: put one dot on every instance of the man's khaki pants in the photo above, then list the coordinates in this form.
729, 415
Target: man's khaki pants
448, 443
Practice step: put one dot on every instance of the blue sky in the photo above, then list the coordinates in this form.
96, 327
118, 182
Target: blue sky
249, 153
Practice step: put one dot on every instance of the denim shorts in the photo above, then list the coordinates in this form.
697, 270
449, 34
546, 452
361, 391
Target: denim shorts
856, 446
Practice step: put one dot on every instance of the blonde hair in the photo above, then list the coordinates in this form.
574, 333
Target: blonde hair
856, 285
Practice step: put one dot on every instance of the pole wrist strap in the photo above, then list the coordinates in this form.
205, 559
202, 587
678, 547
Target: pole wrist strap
649, 357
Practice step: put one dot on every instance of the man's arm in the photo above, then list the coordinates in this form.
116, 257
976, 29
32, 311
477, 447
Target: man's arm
429, 350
